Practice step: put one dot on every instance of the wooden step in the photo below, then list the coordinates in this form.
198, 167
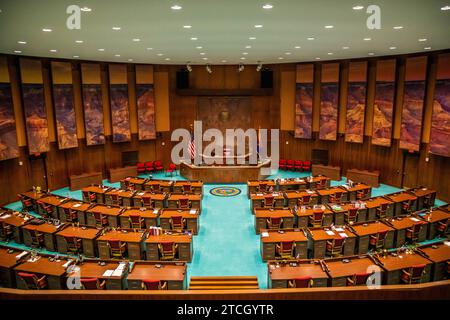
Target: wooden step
223, 283
224, 278
224, 288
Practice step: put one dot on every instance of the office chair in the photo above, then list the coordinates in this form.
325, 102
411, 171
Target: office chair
302, 282
71, 216
89, 197
168, 250
262, 187
358, 279
336, 197
136, 221
334, 247
306, 165
172, 168
26, 202
184, 203
413, 274
140, 167
274, 222
156, 187
177, 222
298, 165
304, 201
158, 166
92, 284
442, 227
117, 248
6, 231
37, 238
317, 218
322, 184
73, 244
268, 201
115, 200
32, 281
187, 188
377, 241
361, 194
147, 202
46, 209
351, 215
382, 211
407, 207
154, 285
149, 167
290, 165
286, 249
412, 234
100, 219
282, 164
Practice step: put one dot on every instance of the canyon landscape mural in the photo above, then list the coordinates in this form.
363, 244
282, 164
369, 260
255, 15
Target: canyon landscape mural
93, 114
303, 110
440, 123
66, 124
120, 115
8, 136
329, 97
146, 111
383, 113
356, 105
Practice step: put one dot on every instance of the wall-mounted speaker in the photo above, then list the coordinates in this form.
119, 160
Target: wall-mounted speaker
182, 79
266, 79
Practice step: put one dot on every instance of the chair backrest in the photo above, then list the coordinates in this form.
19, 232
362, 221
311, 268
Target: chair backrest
177, 221
149, 164
186, 187
384, 206
417, 270
71, 240
302, 282
147, 201
269, 200
98, 216
286, 246
156, 187
306, 199
275, 221
282, 161
114, 197
151, 284
114, 244
290, 162
85, 194
318, 215
157, 163
168, 247
306, 163
135, 219
323, 182
338, 195
183, 202
29, 278
298, 163
140, 165
263, 187
90, 283
352, 212
361, 278
382, 235
416, 227
338, 242
172, 166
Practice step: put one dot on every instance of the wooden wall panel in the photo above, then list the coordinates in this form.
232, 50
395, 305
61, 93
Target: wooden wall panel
356, 102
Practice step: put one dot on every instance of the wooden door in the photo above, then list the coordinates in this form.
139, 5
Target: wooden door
410, 170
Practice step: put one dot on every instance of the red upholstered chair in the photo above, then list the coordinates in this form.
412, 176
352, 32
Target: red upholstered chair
413, 274
362, 194
92, 284
377, 240
290, 165
32, 281
115, 200
73, 244
286, 249
168, 250
136, 221
442, 227
71, 216
177, 222
156, 187
27, 203
304, 201
187, 188
274, 222
158, 166
382, 211
336, 197
140, 167
302, 282
46, 209
153, 285
358, 279
172, 168
268, 201
262, 187
100, 219
335, 246
149, 166
317, 218
184, 203
117, 248
322, 184
298, 165
306, 166
282, 164
412, 234
37, 238
351, 215
5, 231
406, 207
147, 202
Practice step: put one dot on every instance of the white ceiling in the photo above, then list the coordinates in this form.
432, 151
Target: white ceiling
223, 29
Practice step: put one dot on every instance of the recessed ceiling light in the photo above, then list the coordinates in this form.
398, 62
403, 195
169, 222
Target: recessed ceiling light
194, 38
252, 38
75, 56
86, 9
287, 53
422, 39
248, 47
21, 42
101, 49
280, 58
245, 53
258, 25
79, 41
267, 6
205, 58
117, 55
330, 53
116, 28
17, 51
136, 39
367, 39
199, 47
167, 59
53, 50
317, 58
358, 7
297, 47
427, 48
130, 59
47, 30
445, 8
398, 27
176, 7
345, 48
187, 26
202, 53
311, 38
329, 27
371, 53
223, 61
392, 48
242, 58
160, 54
149, 48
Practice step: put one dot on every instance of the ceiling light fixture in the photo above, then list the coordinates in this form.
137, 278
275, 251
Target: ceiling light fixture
310, 38
252, 38
427, 48
130, 60
329, 27
330, 53
101, 49
167, 59
288, 53
194, 38
248, 47
280, 58
53, 50
392, 48
202, 53
345, 48
21, 42
75, 57
224, 61
241, 67
187, 26
136, 39
445, 8
86, 9
117, 55
422, 39
242, 58
398, 27
367, 39
160, 54
297, 47
176, 7
358, 7
199, 47
258, 25
208, 68
205, 58
17, 51
149, 48
47, 30
116, 28
267, 6
245, 53
78, 41
317, 58
371, 53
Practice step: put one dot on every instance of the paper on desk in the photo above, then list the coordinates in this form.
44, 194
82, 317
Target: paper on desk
259, 194
6, 216
339, 229
155, 211
117, 273
330, 233
141, 193
65, 265
108, 273
447, 243
343, 235
309, 191
22, 254
264, 234
76, 205
193, 211
414, 219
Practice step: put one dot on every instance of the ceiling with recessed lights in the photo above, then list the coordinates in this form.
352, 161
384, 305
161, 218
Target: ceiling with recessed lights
222, 32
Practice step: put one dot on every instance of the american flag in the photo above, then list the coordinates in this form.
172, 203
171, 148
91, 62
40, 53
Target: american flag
192, 149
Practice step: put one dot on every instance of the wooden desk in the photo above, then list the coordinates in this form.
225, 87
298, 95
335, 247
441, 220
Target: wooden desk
280, 273
318, 238
159, 199
329, 171
253, 185
423, 194
134, 243
372, 178
83, 180
172, 273
439, 254
291, 184
150, 217
373, 203
292, 197
164, 185
183, 240
339, 270
93, 269
343, 208
47, 230
196, 186
195, 199
393, 266
304, 215
434, 218
76, 206
190, 215
317, 182
325, 194
86, 234
262, 214
126, 197
257, 199
358, 187
112, 214
98, 191
269, 243
54, 202
8, 261
366, 229
16, 220
398, 199
132, 183
33, 196
53, 270
117, 174
401, 223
